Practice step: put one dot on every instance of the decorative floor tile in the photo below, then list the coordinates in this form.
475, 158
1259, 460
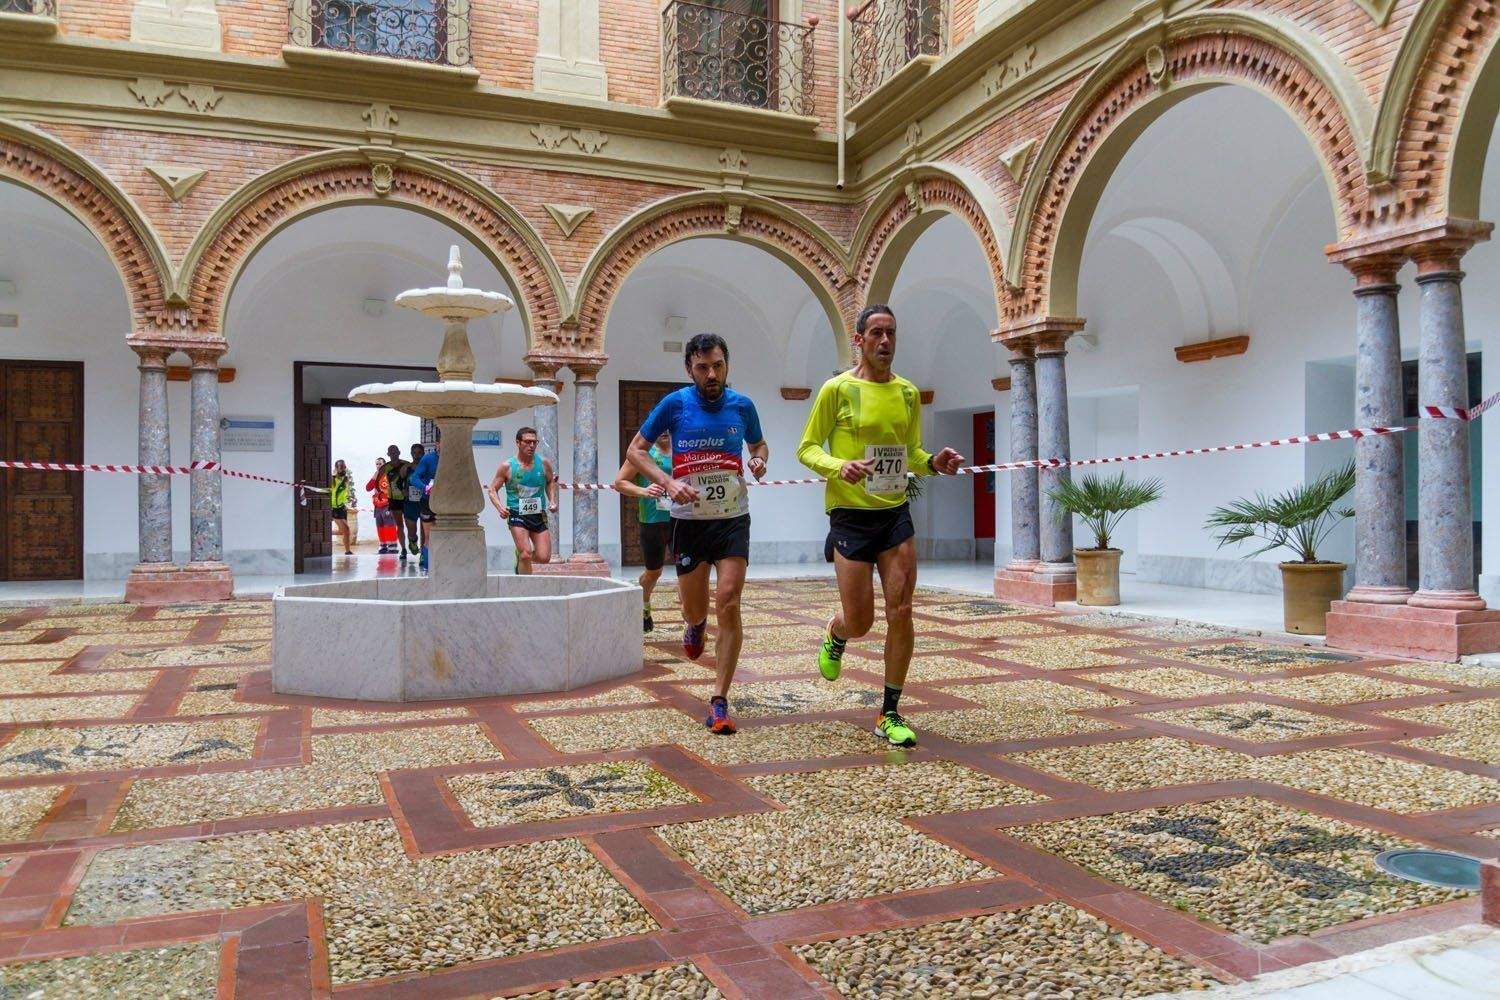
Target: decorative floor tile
781, 639
616, 730
19, 637
786, 860
614, 696
1259, 656
1253, 720
1251, 866
110, 748
71, 707
246, 634
895, 790
94, 624
505, 797
330, 717
1476, 726
997, 628
201, 608
1169, 683
88, 610
1376, 781
214, 696
761, 698
1017, 710
1447, 673
155, 640
1116, 767
182, 971
386, 913
936, 668
1033, 695
677, 982
796, 741
977, 608
1182, 633
1065, 652
21, 809
344, 771
39, 677
1104, 619
1340, 689
1011, 954
191, 656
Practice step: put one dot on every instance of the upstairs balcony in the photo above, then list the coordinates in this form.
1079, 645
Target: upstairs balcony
433, 32
886, 36
737, 54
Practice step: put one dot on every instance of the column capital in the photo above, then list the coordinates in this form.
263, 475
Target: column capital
1021, 348
205, 357
1447, 237
1375, 272
1044, 334
587, 369
151, 354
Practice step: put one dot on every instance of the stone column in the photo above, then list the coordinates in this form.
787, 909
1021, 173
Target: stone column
1379, 487
1445, 508
1024, 538
156, 575
208, 574
1055, 528
544, 418
585, 560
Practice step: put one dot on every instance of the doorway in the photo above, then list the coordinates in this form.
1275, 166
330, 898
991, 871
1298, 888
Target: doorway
984, 486
637, 400
41, 413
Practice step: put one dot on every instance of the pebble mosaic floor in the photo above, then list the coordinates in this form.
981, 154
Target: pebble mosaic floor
1101, 806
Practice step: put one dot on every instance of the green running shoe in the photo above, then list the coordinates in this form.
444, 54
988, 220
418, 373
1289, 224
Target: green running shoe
894, 728
831, 656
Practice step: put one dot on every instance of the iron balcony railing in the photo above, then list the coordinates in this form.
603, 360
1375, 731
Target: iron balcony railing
731, 54
430, 31
36, 8
885, 35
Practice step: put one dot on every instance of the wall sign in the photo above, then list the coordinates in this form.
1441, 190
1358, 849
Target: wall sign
247, 433
486, 439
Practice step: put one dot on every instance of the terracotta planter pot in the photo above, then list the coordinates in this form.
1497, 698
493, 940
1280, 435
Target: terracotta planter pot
1307, 589
1098, 577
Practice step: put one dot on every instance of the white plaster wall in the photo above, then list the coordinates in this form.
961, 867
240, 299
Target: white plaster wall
1482, 323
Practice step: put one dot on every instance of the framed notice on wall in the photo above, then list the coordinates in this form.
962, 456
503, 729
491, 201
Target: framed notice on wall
247, 434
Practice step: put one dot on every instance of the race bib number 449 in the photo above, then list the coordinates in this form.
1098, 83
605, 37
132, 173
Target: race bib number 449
719, 494
531, 505
889, 472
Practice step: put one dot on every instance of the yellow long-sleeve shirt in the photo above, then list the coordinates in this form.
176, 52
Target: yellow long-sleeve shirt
849, 415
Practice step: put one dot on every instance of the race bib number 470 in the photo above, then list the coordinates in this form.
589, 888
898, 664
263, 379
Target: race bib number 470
719, 494
889, 472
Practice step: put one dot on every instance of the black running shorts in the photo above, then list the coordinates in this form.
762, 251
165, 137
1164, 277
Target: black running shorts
534, 523
656, 537
708, 541
861, 535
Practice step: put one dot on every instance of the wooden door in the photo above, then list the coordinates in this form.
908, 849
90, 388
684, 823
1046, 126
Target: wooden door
637, 400
984, 486
42, 406
314, 462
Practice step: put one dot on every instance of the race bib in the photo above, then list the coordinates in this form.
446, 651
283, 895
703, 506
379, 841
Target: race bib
720, 494
530, 505
889, 473
664, 503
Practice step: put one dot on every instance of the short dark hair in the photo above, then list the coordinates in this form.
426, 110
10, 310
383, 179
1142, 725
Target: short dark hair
525, 431
417, 448
704, 343
874, 309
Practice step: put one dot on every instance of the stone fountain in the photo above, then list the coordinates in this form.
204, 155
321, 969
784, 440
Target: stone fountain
458, 632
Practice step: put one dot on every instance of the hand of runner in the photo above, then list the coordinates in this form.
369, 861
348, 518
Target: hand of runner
656, 490
504, 511
681, 492
947, 462
552, 506
856, 471
757, 467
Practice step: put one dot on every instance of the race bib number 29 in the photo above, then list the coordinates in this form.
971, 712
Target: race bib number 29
889, 472
718, 494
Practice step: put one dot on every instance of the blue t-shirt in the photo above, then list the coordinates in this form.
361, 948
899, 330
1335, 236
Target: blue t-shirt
708, 442
424, 473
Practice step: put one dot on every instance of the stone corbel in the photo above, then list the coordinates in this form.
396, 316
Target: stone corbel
734, 209
382, 160
793, 393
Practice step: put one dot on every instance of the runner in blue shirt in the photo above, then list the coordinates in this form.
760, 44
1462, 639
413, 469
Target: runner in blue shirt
710, 425
420, 482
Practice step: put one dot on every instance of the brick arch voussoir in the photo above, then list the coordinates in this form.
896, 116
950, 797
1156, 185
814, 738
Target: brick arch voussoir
145, 285
250, 227
710, 218
941, 193
1215, 56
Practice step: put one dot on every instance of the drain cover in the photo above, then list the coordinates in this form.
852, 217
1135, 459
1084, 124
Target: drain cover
1451, 871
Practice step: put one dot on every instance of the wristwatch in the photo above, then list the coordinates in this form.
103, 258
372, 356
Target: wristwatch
932, 464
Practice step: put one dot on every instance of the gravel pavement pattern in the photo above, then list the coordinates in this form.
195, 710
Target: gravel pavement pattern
185, 843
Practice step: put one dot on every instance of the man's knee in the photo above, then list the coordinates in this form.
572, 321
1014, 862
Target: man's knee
859, 623
898, 608
727, 604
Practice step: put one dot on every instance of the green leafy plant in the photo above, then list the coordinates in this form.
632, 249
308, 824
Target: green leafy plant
1102, 501
1299, 519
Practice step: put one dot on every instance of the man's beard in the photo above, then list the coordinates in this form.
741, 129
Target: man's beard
711, 390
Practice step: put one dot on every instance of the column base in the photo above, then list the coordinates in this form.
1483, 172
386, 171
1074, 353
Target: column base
1022, 566
580, 564
1379, 595
168, 583
1410, 631
1028, 587
1448, 600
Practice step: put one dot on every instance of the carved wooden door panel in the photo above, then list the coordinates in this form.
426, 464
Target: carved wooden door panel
637, 400
43, 422
314, 465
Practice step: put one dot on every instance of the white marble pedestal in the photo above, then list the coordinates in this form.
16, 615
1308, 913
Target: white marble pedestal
393, 640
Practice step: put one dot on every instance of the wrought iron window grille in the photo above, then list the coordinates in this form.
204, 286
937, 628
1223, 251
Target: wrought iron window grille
885, 35
429, 31
720, 53
35, 8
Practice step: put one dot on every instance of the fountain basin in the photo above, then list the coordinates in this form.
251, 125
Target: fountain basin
385, 640
468, 400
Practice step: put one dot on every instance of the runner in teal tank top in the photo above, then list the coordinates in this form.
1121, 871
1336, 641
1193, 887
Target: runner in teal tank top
654, 514
530, 485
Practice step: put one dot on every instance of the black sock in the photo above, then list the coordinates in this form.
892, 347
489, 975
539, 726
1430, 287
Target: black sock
892, 696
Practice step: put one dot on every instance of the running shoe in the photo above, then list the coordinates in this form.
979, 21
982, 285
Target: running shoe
831, 656
648, 624
719, 723
894, 728
692, 639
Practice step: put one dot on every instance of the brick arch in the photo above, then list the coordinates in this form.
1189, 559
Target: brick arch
40, 163
249, 219
798, 242
910, 204
1084, 148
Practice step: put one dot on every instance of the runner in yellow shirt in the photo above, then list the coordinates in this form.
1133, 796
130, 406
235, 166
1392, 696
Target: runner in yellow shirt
864, 435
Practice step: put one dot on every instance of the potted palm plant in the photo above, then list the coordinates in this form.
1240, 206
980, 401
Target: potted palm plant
1300, 520
1101, 501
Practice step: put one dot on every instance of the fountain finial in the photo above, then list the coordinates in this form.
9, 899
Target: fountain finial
455, 268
